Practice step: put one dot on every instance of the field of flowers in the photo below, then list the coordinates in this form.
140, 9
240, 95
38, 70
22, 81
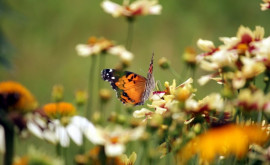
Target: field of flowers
134, 82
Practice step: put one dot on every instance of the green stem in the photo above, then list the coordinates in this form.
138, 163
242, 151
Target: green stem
266, 87
89, 107
100, 83
58, 149
9, 138
174, 73
129, 33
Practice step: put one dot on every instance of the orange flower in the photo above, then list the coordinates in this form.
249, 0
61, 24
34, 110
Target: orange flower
21, 161
61, 109
223, 141
14, 96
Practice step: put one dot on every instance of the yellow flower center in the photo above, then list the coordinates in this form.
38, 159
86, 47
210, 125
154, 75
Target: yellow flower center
58, 110
114, 140
242, 47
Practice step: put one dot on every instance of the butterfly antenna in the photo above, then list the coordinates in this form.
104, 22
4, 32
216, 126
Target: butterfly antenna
151, 65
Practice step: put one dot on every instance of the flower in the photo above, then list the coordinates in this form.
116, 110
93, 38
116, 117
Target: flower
265, 5
57, 93
94, 46
62, 125
136, 8
59, 110
114, 139
14, 96
237, 60
98, 45
167, 100
223, 141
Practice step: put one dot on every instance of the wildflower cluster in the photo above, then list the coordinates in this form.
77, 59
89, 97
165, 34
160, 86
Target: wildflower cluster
231, 125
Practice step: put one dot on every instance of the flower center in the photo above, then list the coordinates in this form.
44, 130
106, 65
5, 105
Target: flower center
59, 110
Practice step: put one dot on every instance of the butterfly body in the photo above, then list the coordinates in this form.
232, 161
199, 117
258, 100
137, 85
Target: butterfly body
130, 87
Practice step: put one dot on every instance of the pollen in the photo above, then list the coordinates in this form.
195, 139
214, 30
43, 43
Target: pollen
14, 96
58, 110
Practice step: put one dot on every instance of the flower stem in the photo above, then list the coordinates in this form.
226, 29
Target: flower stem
9, 138
100, 83
129, 33
174, 73
89, 107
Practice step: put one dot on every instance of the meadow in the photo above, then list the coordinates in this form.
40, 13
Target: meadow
210, 104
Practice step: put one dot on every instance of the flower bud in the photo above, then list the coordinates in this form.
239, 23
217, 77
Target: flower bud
80, 97
163, 63
57, 93
189, 56
105, 95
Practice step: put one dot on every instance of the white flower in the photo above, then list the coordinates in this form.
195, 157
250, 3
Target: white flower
2, 140
121, 51
85, 50
139, 7
56, 132
114, 139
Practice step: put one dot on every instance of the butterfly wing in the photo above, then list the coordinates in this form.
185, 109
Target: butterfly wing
129, 86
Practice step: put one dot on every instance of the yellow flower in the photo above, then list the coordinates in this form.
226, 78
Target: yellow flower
14, 96
223, 141
61, 109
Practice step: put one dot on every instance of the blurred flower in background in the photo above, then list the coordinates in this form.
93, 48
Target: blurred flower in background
223, 141
102, 45
265, 5
136, 8
114, 138
15, 97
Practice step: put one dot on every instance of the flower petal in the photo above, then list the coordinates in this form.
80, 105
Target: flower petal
75, 134
114, 149
62, 136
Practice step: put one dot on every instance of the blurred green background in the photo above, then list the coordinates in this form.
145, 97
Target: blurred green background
43, 36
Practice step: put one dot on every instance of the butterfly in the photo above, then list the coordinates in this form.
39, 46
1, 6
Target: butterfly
130, 87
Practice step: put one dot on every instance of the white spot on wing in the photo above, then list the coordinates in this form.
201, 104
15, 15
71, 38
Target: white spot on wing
113, 78
110, 70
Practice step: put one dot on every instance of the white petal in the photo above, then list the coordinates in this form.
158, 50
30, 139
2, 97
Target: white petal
204, 79
62, 136
205, 45
84, 50
50, 136
114, 149
160, 110
34, 129
141, 113
2, 140
112, 8
155, 9
75, 134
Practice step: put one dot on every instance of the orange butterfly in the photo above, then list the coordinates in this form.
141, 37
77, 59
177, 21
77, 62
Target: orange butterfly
130, 87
